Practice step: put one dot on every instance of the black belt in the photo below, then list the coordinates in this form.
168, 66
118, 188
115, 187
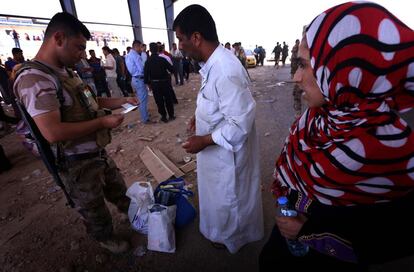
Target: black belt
85, 156
139, 77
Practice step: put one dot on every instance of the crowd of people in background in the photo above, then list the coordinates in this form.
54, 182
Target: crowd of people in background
110, 76
101, 38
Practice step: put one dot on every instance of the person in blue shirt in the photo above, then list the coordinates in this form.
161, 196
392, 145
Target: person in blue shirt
99, 75
135, 66
17, 58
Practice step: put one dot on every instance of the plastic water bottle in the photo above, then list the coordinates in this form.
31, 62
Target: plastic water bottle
296, 248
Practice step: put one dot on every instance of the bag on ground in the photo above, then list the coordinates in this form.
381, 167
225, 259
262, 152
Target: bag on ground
172, 192
141, 195
161, 232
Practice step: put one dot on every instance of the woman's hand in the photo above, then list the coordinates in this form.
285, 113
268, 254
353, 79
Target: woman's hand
289, 227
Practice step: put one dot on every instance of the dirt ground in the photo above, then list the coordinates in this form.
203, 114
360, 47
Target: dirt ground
39, 233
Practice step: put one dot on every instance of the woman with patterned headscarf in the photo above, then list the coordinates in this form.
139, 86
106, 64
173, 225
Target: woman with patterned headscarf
347, 165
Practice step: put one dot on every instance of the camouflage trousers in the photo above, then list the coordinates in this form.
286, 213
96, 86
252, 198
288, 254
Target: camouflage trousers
89, 182
293, 67
297, 100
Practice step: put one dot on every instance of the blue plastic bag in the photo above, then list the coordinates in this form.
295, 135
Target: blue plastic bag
172, 192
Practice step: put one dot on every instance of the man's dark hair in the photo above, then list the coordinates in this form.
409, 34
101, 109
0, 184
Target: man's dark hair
115, 50
136, 42
68, 24
153, 48
196, 18
107, 49
16, 51
161, 47
90, 51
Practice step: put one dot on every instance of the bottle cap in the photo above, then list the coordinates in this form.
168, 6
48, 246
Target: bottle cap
282, 200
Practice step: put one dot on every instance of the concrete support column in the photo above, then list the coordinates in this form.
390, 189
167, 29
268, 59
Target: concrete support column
135, 12
169, 19
69, 7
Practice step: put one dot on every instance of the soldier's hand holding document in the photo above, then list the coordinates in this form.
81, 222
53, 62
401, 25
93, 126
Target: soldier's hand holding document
128, 107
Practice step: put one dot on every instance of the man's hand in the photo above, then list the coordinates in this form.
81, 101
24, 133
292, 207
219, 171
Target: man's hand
112, 121
192, 125
289, 227
132, 100
54, 130
195, 144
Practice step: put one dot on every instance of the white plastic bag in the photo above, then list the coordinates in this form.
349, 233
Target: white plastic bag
161, 233
141, 195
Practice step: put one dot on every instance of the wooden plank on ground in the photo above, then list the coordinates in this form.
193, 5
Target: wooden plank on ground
177, 172
155, 165
188, 167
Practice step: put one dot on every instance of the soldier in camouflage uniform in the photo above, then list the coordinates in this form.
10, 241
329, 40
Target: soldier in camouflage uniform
277, 50
294, 58
72, 119
297, 92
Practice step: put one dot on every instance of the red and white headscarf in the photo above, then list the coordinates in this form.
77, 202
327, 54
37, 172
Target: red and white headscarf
355, 149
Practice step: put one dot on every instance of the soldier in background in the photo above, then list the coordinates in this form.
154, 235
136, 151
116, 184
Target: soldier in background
277, 50
285, 53
294, 58
297, 92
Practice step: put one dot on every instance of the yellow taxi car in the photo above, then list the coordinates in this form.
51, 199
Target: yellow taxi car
250, 58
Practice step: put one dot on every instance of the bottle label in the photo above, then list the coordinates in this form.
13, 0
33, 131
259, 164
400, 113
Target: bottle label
289, 213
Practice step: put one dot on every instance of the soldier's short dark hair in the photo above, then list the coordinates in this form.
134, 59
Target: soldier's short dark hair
196, 18
68, 24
